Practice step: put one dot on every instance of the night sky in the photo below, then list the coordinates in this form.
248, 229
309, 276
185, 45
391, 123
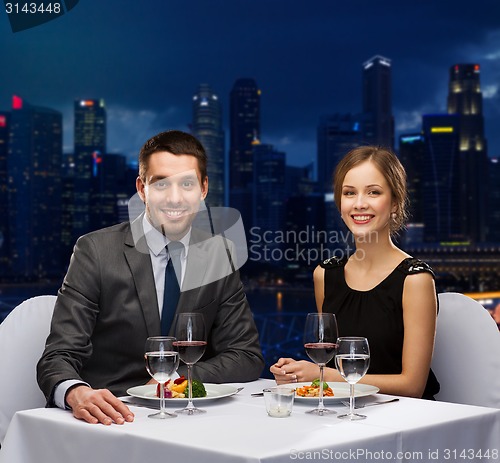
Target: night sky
146, 59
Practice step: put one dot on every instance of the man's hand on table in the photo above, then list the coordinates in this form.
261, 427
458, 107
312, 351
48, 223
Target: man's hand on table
97, 406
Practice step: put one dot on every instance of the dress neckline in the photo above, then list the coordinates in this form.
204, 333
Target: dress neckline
365, 291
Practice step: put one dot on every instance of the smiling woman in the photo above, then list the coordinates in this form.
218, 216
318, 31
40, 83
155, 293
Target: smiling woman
366, 207
375, 177
379, 292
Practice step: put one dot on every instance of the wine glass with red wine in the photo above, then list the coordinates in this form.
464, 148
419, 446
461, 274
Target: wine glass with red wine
191, 343
320, 343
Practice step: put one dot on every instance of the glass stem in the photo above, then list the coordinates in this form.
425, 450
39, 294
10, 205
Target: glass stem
351, 399
163, 408
190, 387
320, 404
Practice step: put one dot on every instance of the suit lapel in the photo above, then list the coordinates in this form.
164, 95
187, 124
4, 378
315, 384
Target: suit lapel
137, 255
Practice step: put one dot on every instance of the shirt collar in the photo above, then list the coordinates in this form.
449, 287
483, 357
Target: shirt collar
157, 241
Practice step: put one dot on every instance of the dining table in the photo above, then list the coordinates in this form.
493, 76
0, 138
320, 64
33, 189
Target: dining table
236, 428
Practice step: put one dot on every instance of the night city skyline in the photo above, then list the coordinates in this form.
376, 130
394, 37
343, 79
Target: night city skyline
308, 65
306, 62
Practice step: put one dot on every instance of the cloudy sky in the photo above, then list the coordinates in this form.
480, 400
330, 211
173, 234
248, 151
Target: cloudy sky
146, 59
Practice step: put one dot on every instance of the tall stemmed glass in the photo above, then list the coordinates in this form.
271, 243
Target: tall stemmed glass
191, 343
320, 342
162, 360
353, 360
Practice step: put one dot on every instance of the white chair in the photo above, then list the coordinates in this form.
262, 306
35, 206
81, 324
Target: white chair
466, 356
22, 339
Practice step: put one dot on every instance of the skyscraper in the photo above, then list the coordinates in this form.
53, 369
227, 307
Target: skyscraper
378, 121
67, 206
244, 130
465, 99
300, 180
90, 140
108, 187
337, 134
34, 169
444, 216
207, 127
269, 190
412, 156
244, 127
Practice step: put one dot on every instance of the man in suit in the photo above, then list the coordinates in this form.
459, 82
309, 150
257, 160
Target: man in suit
113, 294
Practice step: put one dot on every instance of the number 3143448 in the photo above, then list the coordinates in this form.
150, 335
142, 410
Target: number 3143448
33, 8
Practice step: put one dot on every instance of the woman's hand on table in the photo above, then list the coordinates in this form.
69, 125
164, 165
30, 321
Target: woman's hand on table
287, 370
97, 406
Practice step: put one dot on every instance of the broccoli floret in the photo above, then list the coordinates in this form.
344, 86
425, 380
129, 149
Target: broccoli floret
198, 389
315, 383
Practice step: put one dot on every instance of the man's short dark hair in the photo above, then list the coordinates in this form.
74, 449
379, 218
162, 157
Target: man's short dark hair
174, 142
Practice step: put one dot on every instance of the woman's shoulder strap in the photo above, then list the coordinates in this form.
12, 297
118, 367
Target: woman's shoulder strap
333, 262
412, 266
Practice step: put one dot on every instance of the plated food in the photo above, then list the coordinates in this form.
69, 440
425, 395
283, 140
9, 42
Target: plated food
178, 389
312, 390
340, 392
214, 392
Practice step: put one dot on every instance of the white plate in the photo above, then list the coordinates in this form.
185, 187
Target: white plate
214, 391
340, 392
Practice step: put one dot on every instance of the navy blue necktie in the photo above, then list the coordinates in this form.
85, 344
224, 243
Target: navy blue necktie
172, 290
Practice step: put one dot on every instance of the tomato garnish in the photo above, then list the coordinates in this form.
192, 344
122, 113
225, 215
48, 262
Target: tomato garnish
179, 380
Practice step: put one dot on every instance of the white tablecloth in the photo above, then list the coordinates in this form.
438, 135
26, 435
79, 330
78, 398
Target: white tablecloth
237, 429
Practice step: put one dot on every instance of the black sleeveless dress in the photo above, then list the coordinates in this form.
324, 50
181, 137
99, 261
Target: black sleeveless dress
376, 314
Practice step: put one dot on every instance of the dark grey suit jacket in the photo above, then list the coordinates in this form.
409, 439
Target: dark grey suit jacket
107, 307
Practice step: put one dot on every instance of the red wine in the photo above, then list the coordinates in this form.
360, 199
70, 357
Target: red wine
190, 351
320, 352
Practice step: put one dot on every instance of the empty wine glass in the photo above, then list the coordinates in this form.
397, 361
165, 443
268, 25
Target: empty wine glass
161, 362
320, 343
352, 360
191, 343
